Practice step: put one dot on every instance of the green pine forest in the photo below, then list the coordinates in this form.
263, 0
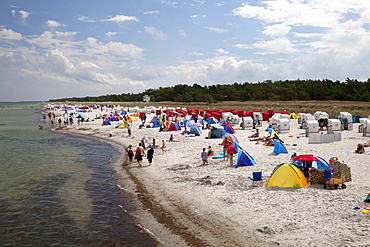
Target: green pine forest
288, 90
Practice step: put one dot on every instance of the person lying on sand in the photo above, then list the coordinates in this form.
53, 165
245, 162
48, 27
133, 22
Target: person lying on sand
256, 134
360, 148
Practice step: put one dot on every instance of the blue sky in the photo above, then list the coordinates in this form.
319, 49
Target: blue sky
55, 49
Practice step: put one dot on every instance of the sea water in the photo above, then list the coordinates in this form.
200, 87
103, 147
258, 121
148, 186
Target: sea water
58, 189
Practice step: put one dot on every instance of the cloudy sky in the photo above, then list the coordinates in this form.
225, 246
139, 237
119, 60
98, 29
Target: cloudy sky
54, 49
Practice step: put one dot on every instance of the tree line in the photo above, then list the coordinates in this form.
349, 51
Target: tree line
288, 90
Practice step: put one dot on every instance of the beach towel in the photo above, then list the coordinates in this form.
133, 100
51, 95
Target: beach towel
218, 156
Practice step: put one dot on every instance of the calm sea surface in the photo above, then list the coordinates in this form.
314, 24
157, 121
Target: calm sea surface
58, 189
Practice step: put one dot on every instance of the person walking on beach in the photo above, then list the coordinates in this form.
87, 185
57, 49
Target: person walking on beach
139, 153
204, 157
129, 131
150, 154
130, 153
163, 147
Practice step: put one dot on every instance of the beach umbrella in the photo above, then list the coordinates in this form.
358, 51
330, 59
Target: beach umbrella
320, 164
305, 157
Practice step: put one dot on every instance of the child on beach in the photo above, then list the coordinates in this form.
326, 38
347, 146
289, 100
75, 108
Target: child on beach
163, 147
231, 152
210, 151
204, 157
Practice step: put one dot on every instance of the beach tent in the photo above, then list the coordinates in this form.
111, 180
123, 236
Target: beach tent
211, 120
114, 119
244, 159
230, 138
155, 122
319, 164
124, 124
174, 126
293, 115
367, 198
194, 130
228, 128
216, 133
186, 124
106, 122
279, 148
78, 115
287, 176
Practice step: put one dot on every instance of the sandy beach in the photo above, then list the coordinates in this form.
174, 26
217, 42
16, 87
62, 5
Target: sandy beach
188, 204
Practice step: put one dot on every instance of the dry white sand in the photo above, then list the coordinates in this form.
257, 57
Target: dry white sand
216, 205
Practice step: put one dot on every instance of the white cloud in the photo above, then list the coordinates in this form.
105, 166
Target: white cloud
150, 12
278, 45
278, 30
95, 47
111, 33
54, 24
196, 54
222, 51
181, 33
198, 16
122, 18
86, 19
290, 12
217, 30
9, 34
155, 33
220, 4
60, 62
24, 15
117, 18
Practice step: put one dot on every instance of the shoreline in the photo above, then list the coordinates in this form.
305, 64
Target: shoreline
217, 205
167, 219
148, 213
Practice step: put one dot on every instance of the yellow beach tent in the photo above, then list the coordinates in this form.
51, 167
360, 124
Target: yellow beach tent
124, 124
287, 176
293, 115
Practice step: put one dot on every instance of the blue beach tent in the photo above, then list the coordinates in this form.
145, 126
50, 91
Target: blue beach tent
156, 123
195, 130
279, 148
211, 120
244, 158
186, 124
217, 133
228, 128
320, 164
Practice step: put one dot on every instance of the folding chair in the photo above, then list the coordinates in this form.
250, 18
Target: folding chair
257, 178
